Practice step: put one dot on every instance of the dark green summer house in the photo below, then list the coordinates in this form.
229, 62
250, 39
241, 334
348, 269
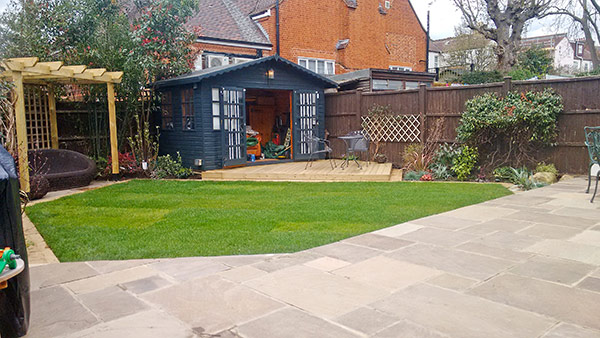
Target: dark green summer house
207, 115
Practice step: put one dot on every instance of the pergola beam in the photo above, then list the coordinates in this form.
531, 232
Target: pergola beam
30, 70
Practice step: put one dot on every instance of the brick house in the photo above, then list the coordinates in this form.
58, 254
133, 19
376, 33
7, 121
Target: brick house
328, 37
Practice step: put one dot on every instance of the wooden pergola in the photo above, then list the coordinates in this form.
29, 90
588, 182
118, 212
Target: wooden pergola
29, 70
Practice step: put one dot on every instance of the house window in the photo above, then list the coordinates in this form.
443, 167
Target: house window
187, 109
436, 61
586, 67
166, 108
240, 60
580, 49
387, 5
216, 109
406, 69
319, 66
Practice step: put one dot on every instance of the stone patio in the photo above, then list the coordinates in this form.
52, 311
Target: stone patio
526, 265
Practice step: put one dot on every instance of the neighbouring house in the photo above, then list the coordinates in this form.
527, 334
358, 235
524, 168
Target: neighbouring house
216, 117
559, 47
327, 37
465, 52
372, 80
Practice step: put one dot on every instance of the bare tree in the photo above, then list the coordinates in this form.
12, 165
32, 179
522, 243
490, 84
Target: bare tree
502, 21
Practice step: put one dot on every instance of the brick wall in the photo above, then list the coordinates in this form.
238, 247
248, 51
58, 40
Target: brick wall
311, 28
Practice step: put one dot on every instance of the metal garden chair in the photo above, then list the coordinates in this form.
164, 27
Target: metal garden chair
592, 141
356, 142
314, 147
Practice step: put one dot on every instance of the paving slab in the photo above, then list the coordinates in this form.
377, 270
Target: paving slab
283, 261
445, 222
366, 320
315, 291
387, 273
409, 329
590, 237
184, 269
111, 266
459, 315
398, 230
553, 270
548, 231
480, 213
590, 283
453, 261
584, 253
507, 240
105, 280
571, 331
145, 284
544, 298
327, 264
46, 275
592, 214
347, 252
293, 323
242, 273
147, 324
438, 237
212, 304
494, 251
378, 242
538, 217
55, 313
489, 227
112, 303
453, 282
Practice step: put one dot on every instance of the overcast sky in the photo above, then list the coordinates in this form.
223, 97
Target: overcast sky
445, 16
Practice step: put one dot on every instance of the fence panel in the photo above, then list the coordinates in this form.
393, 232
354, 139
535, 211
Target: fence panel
442, 108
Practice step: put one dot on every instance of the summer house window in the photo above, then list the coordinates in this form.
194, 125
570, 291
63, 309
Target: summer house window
187, 109
216, 109
166, 107
319, 66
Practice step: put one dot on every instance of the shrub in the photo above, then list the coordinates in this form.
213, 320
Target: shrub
128, 166
509, 129
415, 157
504, 174
464, 163
167, 167
414, 175
38, 187
441, 172
522, 178
546, 168
479, 77
446, 154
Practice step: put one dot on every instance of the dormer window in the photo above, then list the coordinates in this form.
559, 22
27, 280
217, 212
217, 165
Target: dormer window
319, 66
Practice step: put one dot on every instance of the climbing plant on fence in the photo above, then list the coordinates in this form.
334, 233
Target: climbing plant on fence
510, 129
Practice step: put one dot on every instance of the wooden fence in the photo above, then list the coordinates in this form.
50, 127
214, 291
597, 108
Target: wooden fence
444, 106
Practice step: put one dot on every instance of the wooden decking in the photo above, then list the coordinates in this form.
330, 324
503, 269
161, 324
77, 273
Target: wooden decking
294, 171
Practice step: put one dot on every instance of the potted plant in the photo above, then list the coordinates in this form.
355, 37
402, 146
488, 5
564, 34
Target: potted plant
380, 158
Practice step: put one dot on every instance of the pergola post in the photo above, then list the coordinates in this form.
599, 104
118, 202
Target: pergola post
52, 111
21, 124
112, 120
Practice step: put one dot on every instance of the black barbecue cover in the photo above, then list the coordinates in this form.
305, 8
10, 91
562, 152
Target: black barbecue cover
14, 300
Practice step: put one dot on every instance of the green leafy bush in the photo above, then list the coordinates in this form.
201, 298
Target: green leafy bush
546, 168
519, 74
507, 130
479, 77
414, 175
504, 174
167, 167
441, 172
465, 162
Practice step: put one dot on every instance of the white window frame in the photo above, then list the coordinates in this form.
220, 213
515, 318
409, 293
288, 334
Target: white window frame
326, 62
579, 49
224, 59
216, 108
387, 4
406, 69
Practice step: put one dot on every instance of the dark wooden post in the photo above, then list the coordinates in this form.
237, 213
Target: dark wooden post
507, 86
422, 111
358, 110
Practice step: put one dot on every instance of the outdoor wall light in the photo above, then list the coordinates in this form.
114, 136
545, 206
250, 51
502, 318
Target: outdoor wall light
270, 74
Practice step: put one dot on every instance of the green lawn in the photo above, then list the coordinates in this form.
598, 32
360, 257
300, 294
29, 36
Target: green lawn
150, 219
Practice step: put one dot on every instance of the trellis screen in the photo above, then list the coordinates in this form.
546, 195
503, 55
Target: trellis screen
392, 128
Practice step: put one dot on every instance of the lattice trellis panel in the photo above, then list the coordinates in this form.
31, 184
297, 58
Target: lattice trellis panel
393, 128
